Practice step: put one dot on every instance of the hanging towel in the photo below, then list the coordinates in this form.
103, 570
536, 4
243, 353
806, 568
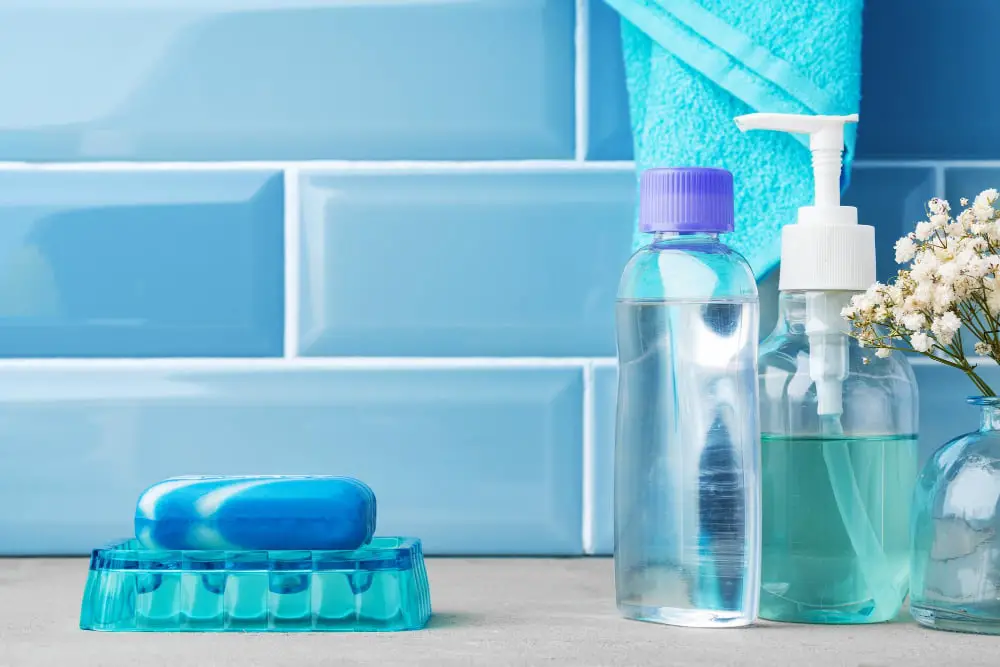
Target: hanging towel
694, 65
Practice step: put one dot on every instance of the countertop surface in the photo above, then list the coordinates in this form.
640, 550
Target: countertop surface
502, 612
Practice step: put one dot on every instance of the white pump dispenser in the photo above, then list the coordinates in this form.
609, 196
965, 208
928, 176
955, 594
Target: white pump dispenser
826, 254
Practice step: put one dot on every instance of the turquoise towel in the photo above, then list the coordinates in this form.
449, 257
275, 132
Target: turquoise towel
693, 65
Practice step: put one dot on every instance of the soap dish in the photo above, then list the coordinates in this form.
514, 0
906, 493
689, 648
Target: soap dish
380, 587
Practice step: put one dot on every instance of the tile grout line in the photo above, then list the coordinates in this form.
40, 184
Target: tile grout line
293, 226
876, 163
861, 163
582, 80
587, 513
250, 364
372, 166
579, 163
974, 360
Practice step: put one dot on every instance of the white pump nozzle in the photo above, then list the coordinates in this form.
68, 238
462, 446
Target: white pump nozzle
827, 249
826, 141
826, 254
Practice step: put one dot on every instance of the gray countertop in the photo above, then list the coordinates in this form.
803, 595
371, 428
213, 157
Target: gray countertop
487, 612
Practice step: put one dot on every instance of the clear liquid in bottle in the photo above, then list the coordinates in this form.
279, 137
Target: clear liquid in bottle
687, 544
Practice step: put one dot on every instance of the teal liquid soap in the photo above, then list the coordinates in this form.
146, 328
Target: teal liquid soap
811, 568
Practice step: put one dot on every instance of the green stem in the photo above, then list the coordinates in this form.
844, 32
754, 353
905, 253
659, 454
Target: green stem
980, 384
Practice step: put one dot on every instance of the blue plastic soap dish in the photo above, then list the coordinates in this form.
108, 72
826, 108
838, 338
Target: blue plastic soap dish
380, 587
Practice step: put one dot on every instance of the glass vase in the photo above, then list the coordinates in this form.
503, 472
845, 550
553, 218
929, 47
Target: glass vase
955, 567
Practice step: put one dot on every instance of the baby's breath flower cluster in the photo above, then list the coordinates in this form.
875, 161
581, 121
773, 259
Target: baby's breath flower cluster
952, 286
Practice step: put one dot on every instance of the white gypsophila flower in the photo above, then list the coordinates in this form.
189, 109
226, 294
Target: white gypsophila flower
976, 244
978, 267
956, 228
983, 212
966, 252
924, 267
949, 249
987, 196
945, 327
963, 287
939, 220
923, 295
949, 272
966, 217
950, 322
862, 303
924, 231
921, 342
944, 297
938, 205
905, 250
993, 298
883, 353
982, 348
963, 201
871, 299
913, 321
983, 205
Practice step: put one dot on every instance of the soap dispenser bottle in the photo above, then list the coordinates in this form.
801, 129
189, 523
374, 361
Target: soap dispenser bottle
839, 424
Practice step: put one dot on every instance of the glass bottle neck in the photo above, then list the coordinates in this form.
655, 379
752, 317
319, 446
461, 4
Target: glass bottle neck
989, 417
686, 236
792, 311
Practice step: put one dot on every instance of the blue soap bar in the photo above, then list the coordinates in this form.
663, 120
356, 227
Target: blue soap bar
270, 512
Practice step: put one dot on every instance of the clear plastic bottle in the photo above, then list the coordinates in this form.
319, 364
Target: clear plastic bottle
687, 543
838, 424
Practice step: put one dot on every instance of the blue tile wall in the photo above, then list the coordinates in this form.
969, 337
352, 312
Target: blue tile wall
944, 414
922, 93
463, 264
610, 136
471, 460
605, 397
141, 263
918, 75
893, 201
451, 206
271, 79
969, 182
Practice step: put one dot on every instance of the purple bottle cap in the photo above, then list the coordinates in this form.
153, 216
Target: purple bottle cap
686, 199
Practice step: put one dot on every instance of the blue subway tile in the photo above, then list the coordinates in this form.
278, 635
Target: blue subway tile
141, 264
610, 133
893, 201
271, 79
968, 183
944, 414
463, 264
605, 392
924, 90
474, 461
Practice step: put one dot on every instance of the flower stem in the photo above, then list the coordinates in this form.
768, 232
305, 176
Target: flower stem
980, 384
